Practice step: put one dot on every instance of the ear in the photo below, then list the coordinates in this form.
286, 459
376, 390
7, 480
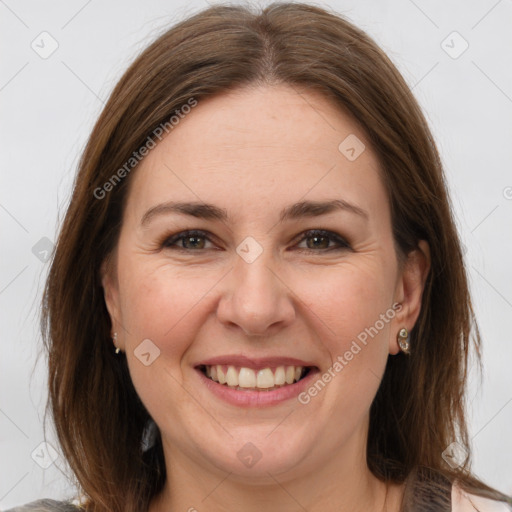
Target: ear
110, 286
409, 291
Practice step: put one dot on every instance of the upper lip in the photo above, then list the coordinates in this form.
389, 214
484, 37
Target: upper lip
256, 363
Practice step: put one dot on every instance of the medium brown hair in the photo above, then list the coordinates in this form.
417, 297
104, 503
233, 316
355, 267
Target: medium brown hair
419, 408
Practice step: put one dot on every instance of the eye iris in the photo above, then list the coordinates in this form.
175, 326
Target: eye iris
316, 238
189, 238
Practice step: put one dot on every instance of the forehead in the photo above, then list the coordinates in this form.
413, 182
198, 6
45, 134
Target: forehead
260, 147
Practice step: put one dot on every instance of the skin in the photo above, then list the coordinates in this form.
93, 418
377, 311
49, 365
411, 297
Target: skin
253, 152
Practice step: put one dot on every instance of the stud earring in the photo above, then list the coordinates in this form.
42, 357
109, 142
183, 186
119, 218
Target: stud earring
403, 340
114, 338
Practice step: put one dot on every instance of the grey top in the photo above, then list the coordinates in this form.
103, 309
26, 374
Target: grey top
46, 506
464, 503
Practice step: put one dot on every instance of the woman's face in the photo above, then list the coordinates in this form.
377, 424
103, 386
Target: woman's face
256, 291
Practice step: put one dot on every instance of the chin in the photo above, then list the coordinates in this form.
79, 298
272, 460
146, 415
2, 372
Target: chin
256, 452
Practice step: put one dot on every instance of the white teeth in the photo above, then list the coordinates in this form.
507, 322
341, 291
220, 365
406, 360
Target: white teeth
279, 376
232, 376
265, 378
221, 376
247, 378
290, 374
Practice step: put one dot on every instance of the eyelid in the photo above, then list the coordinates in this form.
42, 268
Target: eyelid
168, 240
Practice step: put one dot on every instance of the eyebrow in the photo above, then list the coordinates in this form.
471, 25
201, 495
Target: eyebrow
211, 212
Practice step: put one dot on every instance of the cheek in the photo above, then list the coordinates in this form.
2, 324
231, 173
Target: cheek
348, 299
157, 305
352, 315
164, 304
352, 318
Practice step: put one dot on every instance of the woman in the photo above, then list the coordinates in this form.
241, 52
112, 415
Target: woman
260, 225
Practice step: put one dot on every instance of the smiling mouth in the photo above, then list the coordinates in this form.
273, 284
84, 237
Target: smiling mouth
247, 379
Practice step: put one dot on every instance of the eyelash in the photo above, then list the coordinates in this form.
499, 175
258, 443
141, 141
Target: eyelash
168, 242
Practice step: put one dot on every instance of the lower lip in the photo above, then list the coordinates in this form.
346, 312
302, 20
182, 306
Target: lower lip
258, 398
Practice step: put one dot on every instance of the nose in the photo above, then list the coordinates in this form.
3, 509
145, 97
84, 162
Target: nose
256, 298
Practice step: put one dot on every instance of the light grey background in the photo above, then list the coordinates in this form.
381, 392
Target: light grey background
48, 107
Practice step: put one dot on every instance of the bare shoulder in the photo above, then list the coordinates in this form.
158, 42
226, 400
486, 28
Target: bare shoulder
465, 502
45, 506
